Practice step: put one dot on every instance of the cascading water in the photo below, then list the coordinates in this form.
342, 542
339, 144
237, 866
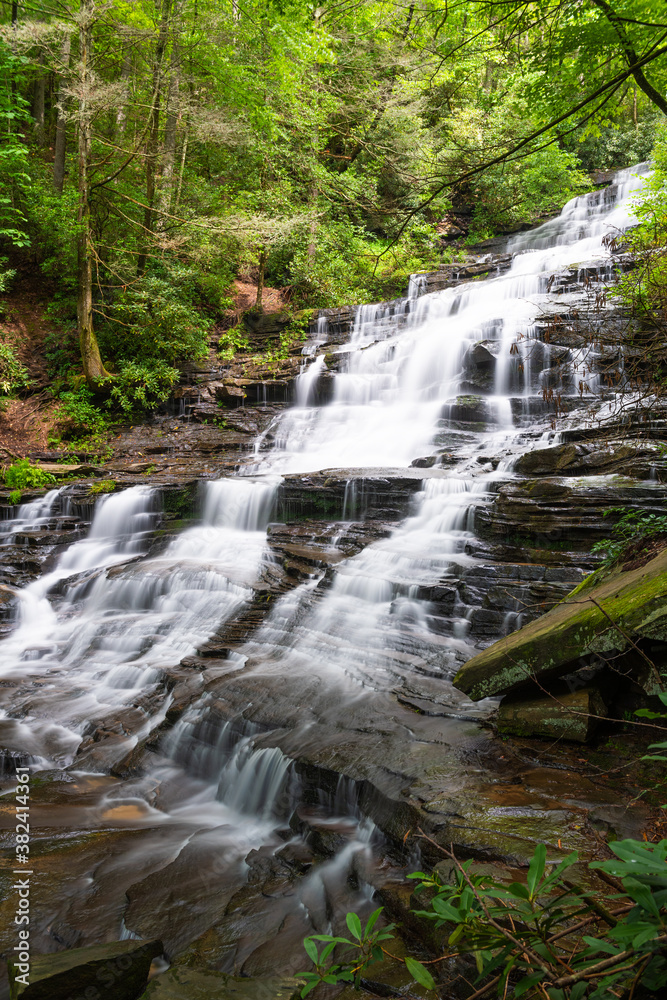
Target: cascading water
113, 634
99, 639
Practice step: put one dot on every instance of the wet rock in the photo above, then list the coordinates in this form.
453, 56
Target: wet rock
466, 413
480, 365
560, 513
339, 494
230, 394
603, 615
587, 459
11, 760
57, 470
266, 326
115, 971
205, 984
568, 715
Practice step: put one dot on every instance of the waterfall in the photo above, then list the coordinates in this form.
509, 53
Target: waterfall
111, 635
122, 634
402, 362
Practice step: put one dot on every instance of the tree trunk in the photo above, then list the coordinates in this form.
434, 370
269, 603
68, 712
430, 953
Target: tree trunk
93, 368
152, 146
260, 278
38, 100
61, 124
167, 180
121, 114
184, 153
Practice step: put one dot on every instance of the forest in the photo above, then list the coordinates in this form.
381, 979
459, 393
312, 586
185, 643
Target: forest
154, 151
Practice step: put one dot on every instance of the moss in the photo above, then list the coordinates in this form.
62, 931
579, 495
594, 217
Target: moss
181, 502
635, 601
102, 486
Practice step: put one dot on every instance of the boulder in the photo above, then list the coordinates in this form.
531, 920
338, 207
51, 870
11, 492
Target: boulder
568, 715
599, 458
114, 971
466, 412
605, 614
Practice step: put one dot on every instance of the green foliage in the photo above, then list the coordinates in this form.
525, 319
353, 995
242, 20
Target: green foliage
22, 475
86, 427
15, 496
14, 154
102, 486
347, 264
155, 319
616, 145
13, 375
142, 385
361, 949
5, 275
632, 526
77, 406
51, 221
232, 342
547, 935
643, 289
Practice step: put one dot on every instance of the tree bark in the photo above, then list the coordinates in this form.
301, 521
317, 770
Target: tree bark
38, 101
152, 145
61, 124
167, 179
121, 114
260, 278
93, 368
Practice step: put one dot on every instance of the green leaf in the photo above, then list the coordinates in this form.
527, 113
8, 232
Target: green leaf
526, 983
313, 981
372, 920
520, 890
326, 951
420, 973
599, 944
354, 925
311, 949
641, 894
536, 868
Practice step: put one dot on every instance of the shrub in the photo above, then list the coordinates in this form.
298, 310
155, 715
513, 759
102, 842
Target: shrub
632, 527
24, 475
155, 320
102, 486
142, 385
13, 375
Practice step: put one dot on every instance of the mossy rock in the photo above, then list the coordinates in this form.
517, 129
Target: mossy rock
592, 619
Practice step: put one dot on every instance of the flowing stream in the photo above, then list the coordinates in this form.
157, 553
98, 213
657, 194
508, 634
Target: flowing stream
90, 660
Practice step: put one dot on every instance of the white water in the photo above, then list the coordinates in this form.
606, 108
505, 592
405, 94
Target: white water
406, 358
96, 637
111, 634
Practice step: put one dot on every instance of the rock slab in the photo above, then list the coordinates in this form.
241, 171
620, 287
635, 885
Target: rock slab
599, 616
569, 715
114, 971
